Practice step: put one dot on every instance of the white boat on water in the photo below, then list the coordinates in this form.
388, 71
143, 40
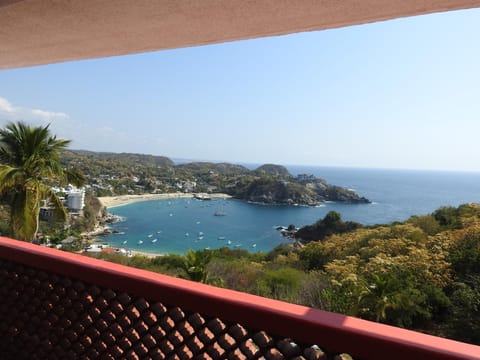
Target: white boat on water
125, 242
150, 235
140, 242
154, 241
202, 197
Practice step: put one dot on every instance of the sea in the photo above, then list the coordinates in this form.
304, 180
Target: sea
173, 226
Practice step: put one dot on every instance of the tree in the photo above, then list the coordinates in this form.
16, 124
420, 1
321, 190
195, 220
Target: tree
331, 224
195, 265
29, 166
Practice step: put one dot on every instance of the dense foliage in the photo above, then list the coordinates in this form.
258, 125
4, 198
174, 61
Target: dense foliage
422, 274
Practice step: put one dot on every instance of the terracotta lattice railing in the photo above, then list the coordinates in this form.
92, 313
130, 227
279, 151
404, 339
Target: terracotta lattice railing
58, 305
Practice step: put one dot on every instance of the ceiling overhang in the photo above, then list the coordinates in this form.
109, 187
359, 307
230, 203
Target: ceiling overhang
34, 32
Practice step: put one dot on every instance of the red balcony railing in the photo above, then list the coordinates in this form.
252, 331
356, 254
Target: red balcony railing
58, 305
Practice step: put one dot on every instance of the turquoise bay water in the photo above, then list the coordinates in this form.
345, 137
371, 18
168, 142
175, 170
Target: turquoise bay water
182, 224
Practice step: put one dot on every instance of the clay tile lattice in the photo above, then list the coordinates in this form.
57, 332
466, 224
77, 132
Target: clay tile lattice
49, 316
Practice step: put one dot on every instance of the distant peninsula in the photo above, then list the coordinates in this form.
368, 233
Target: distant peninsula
112, 174
273, 184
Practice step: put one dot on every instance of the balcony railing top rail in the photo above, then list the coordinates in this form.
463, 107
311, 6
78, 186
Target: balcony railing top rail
63, 304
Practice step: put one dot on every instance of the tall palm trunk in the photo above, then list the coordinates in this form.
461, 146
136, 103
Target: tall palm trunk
25, 214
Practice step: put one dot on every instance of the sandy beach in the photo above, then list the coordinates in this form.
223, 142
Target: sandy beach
146, 254
112, 201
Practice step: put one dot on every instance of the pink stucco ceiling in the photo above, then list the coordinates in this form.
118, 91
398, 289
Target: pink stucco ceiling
36, 32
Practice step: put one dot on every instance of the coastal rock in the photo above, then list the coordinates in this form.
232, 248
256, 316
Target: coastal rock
277, 192
339, 194
268, 190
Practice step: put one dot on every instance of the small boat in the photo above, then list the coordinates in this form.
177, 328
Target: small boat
200, 237
154, 241
202, 197
219, 213
159, 231
150, 235
198, 222
200, 233
229, 242
140, 242
125, 242
254, 245
221, 238
187, 234
170, 214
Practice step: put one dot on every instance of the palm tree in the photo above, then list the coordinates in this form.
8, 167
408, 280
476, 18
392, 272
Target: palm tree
29, 166
380, 296
195, 265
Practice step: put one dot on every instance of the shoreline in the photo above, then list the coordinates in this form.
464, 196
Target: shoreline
114, 201
146, 254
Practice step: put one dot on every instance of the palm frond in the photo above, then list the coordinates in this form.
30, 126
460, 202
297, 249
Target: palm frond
74, 177
10, 178
29, 163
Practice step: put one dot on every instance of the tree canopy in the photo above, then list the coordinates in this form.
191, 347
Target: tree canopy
29, 167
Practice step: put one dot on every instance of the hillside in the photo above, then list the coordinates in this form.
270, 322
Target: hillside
119, 174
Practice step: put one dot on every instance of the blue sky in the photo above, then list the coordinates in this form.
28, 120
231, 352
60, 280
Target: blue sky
396, 94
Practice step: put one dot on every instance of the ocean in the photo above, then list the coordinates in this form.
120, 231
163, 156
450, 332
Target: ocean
176, 225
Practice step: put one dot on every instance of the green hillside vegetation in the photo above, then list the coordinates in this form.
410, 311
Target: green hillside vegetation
209, 168
331, 224
118, 174
421, 274
273, 170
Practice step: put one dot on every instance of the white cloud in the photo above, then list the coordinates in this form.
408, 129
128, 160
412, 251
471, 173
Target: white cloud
49, 115
9, 112
84, 134
6, 106
60, 122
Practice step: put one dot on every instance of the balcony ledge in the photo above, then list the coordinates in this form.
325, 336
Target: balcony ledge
332, 332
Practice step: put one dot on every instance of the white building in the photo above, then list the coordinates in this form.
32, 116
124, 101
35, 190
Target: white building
76, 199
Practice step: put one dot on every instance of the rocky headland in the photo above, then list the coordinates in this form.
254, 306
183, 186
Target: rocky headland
274, 185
